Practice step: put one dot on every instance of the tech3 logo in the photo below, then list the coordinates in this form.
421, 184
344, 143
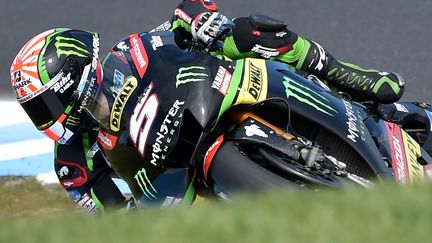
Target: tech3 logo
191, 74
296, 90
145, 184
70, 46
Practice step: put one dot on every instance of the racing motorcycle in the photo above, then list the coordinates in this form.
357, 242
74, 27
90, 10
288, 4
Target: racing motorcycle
251, 125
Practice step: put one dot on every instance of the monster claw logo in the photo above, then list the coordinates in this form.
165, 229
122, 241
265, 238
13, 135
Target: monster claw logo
191, 74
70, 46
145, 184
308, 96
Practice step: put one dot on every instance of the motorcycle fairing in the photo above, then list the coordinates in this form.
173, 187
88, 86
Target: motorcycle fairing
405, 156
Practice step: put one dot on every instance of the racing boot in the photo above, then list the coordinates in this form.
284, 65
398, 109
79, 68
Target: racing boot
361, 84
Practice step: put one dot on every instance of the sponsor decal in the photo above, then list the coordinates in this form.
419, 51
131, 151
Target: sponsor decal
139, 55
120, 102
78, 172
118, 80
95, 57
183, 16
305, 95
191, 74
165, 134
255, 130
265, 52
93, 150
64, 171
122, 46
156, 42
222, 80
405, 151
354, 122
211, 152
413, 152
107, 140
163, 27
171, 201
63, 83
142, 119
145, 184
322, 58
88, 94
70, 46
401, 107
21, 84
255, 82
87, 203
281, 34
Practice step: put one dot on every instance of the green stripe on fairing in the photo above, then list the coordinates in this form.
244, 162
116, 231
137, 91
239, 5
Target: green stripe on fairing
232, 90
190, 193
86, 146
395, 87
43, 74
56, 144
99, 204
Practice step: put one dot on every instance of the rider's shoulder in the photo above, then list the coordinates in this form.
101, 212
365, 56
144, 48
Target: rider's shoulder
154, 39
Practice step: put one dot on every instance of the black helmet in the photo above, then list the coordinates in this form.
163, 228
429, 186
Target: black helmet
48, 74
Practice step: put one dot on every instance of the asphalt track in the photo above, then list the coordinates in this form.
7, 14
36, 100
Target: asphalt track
389, 35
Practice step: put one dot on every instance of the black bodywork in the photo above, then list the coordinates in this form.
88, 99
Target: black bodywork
172, 116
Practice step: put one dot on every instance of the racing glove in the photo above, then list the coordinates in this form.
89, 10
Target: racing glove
208, 26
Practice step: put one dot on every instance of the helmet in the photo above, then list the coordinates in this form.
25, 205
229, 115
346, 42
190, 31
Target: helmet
48, 74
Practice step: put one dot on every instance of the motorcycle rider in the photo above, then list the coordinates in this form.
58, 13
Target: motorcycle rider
67, 60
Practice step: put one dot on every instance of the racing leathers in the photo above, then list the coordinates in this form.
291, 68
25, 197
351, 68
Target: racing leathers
84, 172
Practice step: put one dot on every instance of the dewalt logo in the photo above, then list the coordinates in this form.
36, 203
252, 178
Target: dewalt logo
255, 82
120, 102
145, 184
70, 46
296, 90
191, 74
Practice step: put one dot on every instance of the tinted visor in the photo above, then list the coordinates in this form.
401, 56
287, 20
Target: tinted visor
48, 106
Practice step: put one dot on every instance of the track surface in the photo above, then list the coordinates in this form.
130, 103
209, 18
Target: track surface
388, 35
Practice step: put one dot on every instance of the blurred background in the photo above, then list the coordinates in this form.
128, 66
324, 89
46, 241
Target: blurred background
387, 35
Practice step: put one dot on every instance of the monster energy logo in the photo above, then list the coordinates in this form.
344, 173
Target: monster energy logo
70, 46
145, 184
73, 121
308, 96
190, 74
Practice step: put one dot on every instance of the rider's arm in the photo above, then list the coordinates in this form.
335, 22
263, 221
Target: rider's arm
86, 176
261, 36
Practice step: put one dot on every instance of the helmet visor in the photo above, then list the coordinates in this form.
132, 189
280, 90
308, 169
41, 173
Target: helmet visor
47, 107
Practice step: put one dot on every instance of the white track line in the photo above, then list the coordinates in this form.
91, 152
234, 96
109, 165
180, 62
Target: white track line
27, 148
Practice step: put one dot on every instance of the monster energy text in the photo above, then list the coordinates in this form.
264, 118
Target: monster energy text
145, 184
166, 132
191, 74
70, 46
296, 90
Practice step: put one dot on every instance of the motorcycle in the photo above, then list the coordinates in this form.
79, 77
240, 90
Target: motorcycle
273, 127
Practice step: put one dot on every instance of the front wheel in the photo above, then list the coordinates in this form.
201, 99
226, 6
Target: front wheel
238, 167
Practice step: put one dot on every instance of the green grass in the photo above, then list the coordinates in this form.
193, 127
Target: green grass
385, 214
